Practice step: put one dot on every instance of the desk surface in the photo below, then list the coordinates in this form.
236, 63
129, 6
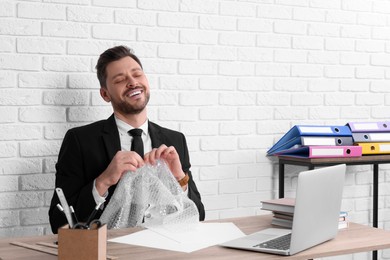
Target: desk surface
365, 159
356, 238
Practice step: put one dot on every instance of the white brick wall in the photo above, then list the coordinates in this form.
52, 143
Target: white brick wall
232, 75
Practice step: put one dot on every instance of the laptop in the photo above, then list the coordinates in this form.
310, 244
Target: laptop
316, 215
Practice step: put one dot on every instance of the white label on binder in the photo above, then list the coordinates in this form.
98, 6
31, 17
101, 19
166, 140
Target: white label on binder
326, 152
384, 147
366, 126
320, 130
319, 141
380, 137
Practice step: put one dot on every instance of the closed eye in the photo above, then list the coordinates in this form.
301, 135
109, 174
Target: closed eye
138, 74
119, 80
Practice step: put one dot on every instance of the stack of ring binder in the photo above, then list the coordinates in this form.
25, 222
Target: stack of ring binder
373, 137
315, 141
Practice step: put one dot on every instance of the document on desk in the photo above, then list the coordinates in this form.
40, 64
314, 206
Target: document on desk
204, 235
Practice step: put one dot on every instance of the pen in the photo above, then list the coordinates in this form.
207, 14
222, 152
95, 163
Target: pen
64, 205
93, 213
60, 208
73, 213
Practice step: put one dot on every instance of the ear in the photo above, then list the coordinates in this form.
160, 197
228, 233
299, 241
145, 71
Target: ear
104, 94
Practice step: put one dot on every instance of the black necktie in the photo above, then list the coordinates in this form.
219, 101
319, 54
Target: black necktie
137, 145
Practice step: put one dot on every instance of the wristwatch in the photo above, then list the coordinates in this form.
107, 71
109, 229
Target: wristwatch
184, 181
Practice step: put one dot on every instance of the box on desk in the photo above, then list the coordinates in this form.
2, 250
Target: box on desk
82, 243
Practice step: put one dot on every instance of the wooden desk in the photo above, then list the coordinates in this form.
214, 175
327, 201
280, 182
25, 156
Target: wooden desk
357, 238
374, 160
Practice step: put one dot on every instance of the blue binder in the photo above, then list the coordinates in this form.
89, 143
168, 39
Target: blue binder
293, 136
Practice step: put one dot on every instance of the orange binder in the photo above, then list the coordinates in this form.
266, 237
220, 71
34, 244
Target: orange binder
375, 148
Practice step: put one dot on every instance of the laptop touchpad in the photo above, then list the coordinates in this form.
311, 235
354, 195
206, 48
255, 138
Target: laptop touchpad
259, 237
267, 234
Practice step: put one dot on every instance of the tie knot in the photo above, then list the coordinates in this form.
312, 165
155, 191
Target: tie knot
135, 132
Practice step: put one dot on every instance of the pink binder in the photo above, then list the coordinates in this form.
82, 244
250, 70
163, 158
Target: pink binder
334, 151
324, 151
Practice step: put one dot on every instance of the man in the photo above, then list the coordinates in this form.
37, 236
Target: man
94, 157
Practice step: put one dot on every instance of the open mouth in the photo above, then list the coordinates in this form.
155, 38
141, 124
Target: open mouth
133, 92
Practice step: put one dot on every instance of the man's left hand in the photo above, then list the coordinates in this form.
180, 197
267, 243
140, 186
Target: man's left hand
170, 156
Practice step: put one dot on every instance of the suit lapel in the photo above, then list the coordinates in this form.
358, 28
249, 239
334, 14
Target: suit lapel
111, 137
112, 144
155, 135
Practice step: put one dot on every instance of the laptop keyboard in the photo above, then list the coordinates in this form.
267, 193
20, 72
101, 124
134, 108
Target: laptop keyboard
280, 243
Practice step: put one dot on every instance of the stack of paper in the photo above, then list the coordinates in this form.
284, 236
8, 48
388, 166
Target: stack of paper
317, 142
343, 221
282, 210
196, 238
373, 137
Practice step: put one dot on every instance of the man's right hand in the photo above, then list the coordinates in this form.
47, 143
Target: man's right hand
122, 162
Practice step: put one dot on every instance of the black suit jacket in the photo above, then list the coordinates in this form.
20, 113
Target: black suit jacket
86, 152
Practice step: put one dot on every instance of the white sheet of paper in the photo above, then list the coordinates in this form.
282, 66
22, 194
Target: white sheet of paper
204, 235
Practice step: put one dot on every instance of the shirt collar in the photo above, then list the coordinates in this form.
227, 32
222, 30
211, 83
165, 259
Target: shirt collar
125, 127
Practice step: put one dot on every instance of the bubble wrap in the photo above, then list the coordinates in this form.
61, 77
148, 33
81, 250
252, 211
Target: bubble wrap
150, 197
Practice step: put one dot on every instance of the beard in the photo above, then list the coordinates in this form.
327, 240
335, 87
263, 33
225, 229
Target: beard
126, 108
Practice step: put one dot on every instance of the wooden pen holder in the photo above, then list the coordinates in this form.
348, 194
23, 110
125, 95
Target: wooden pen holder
83, 244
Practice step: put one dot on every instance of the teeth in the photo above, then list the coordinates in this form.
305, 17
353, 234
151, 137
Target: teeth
137, 92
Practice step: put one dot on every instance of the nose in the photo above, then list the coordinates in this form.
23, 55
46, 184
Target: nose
131, 82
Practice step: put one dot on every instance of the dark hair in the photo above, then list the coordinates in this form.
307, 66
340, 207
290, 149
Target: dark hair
110, 55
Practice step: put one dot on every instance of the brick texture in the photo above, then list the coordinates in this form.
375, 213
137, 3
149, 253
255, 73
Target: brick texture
233, 76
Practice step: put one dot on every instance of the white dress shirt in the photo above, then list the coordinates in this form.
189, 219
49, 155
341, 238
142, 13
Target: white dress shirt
125, 140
